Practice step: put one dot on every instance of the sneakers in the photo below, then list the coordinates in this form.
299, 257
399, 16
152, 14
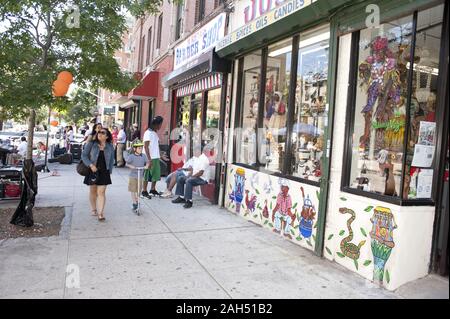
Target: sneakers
135, 206
179, 200
155, 193
188, 204
146, 195
167, 194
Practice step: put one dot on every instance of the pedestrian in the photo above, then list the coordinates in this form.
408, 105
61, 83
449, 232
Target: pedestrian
121, 142
134, 161
98, 155
115, 134
185, 184
136, 132
23, 147
92, 134
171, 179
151, 148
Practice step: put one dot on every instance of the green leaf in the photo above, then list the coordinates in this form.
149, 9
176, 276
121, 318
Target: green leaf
328, 250
367, 262
274, 197
270, 225
314, 237
298, 238
340, 254
388, 276
292, 232
270, 205
363, 232
255, 216
309, 243
343, 199
266, 222
342, 232
295, 205
356, 263
331, 236
368, 209
257, 191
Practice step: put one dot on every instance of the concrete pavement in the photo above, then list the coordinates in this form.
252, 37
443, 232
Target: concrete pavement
170, 252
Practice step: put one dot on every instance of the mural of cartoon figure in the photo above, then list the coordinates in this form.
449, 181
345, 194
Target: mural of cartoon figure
282, 211
383, 225
250, 202
237, 195
349, 249
307, 216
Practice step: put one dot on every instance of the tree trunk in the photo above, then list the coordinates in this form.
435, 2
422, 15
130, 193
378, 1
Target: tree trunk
23, 215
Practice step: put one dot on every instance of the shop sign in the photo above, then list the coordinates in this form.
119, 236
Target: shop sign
203, 40
254, 15
109, 110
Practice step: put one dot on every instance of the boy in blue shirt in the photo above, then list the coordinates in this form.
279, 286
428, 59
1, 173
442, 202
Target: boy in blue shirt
136, 160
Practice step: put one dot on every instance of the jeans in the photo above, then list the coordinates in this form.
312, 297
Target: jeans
178, 174
190, 184
286, 218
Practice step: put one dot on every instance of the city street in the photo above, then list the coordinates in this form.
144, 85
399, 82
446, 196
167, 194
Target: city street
170, 252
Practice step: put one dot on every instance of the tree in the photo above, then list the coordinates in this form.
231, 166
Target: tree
82, 106
40, 38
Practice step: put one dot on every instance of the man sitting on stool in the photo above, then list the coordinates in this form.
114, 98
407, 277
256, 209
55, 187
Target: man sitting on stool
199, 177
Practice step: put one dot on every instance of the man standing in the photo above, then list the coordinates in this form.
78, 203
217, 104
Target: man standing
121, 141
136, 135
23, 146
185, 184
151, 148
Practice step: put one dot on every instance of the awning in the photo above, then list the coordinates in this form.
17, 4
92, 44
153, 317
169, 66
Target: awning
282, 20
148, 88
206, 83
206, 63
127, 105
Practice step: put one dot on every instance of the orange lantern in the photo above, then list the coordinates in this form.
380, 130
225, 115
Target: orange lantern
54, 123
60, 88
65, 76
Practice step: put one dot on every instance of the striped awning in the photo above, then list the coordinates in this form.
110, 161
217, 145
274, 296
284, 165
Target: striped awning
206, 83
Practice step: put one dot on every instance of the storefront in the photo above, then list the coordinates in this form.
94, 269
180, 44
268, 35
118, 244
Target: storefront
335, 140
197, 85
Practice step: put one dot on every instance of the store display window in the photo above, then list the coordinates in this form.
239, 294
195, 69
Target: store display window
392, 124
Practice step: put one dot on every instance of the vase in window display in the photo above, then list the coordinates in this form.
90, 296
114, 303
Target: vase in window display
307, 216
382, 240
237, 195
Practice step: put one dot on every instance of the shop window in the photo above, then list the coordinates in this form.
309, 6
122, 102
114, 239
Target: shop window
278, 72
310, 104
246, 149
392, 124
213, 109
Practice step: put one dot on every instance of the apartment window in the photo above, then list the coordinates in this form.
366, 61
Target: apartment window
149, 46
179, 22
141, 53
160, 25
218, 3
199, 10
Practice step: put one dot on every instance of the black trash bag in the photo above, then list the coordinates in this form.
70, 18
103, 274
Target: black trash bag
23, 215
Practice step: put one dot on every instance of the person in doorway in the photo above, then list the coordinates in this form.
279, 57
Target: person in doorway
151, 148
121, 143
98, 155
136, 134
185, 184
134, 161
23, 146
172, 178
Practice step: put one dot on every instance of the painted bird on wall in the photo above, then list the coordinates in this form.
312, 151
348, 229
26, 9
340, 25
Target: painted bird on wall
250, 201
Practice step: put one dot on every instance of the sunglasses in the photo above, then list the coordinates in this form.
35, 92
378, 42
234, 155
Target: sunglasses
102, 132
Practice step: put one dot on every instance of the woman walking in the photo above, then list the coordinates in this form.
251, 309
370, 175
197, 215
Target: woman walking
98, 155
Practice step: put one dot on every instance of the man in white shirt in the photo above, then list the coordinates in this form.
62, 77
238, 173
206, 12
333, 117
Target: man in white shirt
151, 148
121, 142
185, 184
23, 146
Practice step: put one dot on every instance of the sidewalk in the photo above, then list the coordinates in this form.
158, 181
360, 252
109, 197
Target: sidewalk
170, 252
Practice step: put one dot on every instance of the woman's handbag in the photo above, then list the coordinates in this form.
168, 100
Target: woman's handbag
82, 169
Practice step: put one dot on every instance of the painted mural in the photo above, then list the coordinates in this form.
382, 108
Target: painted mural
287, 208
381, 239
382, 234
